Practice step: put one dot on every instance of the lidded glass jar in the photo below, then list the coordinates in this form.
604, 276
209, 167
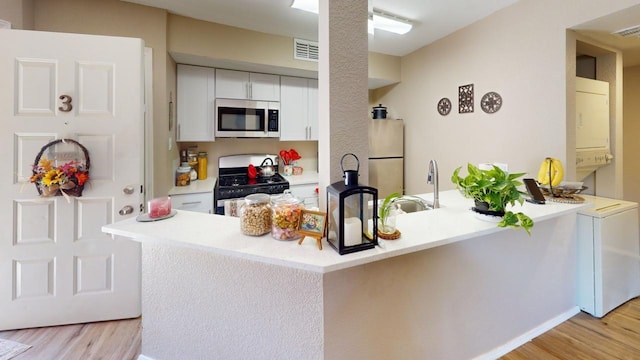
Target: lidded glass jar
286, 211
183, 177
255, 215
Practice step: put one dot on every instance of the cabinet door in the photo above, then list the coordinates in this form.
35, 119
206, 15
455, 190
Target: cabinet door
312, 111
293, 108
199, 202
231, 84
307, 193
264, 87
195, 103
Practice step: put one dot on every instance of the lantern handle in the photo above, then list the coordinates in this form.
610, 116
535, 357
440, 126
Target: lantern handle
357, 162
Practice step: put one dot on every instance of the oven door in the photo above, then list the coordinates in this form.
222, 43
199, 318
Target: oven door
245, 118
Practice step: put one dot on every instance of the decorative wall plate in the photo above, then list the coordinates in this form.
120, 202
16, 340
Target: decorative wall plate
465, 99
491, 102
444, 106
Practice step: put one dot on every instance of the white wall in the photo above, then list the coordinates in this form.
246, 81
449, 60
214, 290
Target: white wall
519, 52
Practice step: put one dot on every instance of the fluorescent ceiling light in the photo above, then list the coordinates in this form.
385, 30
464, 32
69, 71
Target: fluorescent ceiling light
381, 20
306, 5
389, 22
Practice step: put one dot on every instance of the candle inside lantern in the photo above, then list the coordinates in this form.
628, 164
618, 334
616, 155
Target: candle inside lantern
352, 231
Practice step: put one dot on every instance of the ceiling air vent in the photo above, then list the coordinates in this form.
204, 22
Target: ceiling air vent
305, 50
630, 31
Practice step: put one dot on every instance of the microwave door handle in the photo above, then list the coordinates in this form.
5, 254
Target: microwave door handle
266, 122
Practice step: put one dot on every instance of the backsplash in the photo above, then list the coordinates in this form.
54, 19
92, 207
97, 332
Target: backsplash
308, 150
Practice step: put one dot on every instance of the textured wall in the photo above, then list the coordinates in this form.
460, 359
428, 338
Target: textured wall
343, 94
199, 305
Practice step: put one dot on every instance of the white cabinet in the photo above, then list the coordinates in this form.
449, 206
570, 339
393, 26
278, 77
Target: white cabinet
199, 202
195, 103
232, 84
298, 109
307, 193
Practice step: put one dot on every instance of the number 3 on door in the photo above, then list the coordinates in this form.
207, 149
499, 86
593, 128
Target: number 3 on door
66, 103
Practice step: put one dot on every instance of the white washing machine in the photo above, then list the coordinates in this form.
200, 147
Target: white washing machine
608, 255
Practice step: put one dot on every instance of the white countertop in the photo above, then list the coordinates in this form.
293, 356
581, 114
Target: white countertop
198, 186
451, 223
307, 177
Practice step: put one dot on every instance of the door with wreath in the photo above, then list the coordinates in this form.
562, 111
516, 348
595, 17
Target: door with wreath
56, 265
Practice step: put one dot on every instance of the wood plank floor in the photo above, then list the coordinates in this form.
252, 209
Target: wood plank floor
583, 337
107, 340
615, 336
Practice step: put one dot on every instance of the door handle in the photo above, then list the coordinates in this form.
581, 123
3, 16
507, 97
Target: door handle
126, 210
128, 190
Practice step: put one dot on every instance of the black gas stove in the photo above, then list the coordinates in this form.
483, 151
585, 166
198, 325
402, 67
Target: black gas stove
234, 182
237, 184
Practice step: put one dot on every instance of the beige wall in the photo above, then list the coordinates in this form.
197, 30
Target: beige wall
18, 12
631, 133
220, 42
519, 52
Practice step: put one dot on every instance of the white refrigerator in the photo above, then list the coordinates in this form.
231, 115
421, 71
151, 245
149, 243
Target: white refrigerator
608, 255
386, 156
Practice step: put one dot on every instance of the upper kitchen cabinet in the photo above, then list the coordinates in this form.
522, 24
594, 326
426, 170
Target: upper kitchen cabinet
232, 84
196, 96
298, 109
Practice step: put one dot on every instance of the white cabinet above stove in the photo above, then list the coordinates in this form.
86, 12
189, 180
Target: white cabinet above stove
233, 84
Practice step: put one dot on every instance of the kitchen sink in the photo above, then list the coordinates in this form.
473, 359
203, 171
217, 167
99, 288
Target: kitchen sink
409, 204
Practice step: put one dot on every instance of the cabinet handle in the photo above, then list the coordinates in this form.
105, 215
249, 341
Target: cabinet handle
178, 132
192, 203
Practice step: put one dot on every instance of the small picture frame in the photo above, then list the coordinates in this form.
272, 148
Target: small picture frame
312, 224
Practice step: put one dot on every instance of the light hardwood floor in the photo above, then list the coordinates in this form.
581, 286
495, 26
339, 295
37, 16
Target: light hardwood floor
583, 337
107, 340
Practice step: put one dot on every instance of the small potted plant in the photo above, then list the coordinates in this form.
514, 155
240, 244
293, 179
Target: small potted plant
492, 190
387, 213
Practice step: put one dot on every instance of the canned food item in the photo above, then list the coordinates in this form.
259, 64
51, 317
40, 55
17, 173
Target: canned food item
183, 176
285, 216
255, 215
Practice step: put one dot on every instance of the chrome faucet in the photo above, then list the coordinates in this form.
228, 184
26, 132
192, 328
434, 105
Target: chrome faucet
432, 178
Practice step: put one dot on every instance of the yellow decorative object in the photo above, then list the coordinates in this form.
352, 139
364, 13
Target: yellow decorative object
551, 171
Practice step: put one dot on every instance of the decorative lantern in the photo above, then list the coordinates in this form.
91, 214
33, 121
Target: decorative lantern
351, 213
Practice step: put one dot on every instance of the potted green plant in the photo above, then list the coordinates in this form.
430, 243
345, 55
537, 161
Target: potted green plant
387, 223
492, 190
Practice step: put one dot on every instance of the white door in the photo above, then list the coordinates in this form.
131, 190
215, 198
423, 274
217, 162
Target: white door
56, 266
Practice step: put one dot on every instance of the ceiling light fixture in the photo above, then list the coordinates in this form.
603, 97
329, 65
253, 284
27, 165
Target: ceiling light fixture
389, 22
306, 5
379, 19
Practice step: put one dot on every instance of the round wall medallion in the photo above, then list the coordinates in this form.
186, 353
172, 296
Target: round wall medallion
444, 106
491, 102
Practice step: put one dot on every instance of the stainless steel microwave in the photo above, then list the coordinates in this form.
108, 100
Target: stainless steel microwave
247, 118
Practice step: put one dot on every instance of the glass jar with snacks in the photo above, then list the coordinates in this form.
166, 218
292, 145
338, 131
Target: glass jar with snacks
285, 216
183, 176
255, 215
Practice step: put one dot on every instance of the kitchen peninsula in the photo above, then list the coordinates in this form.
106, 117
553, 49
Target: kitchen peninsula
452, 287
